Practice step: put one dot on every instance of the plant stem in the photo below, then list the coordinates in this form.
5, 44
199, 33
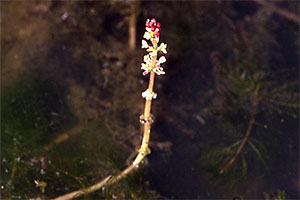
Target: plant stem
81, 192
147, 114
147, 126
283, 13
245, 138
243, 142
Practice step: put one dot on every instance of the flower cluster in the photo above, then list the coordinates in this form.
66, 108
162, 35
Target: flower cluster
152, 27
151, 62
149, 96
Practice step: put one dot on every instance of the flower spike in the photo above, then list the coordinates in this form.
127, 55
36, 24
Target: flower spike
152, 33
151, 65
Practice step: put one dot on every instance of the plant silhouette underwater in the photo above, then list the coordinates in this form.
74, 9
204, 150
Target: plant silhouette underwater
151, 66
258, 99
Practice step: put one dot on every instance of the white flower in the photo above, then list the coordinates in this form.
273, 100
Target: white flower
147, 35
162, 60
144, 44
149, 96
147, 59
163, 48
159, 70
144, 66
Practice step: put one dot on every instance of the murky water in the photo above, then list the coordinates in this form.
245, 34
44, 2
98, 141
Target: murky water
70, 102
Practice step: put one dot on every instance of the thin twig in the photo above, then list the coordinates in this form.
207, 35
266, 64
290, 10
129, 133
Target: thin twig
81, 192
132, 26
283, 13
65, 136
13, 172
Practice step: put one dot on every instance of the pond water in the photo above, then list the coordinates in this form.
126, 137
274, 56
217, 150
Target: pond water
71, 100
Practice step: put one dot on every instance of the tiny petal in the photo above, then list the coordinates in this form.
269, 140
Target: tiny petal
162, 59
144, 44
144, 66
147, 59
147, 35
163, 48
148, 23
159, 70
145, 73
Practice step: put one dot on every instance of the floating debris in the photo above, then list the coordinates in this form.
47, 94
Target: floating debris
43, 172
54, 114
51, 123
41, 184
64, 16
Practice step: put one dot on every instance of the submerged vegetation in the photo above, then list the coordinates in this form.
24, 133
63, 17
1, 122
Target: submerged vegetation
226, 123
31, 165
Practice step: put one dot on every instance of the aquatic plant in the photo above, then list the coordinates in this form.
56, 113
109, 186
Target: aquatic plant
259, 98
151, 66
255, 101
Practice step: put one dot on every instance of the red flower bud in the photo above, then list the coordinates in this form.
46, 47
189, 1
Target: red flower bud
148, 23
156, 34
153, 20
158, 25
152, 28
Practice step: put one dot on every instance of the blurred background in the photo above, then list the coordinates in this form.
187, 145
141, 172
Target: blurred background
226, 117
